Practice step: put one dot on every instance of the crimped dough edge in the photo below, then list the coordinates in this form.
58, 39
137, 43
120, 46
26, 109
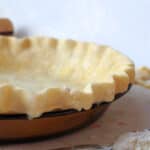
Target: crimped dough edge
14, 99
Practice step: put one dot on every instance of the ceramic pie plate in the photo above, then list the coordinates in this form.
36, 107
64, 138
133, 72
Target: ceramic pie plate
17, 127
40, 75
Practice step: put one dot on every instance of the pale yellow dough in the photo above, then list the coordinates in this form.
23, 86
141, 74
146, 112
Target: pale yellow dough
39, 75
143, 77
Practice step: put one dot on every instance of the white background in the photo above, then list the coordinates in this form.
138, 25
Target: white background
122, 24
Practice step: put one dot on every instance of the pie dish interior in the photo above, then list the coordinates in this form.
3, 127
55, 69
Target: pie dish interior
41, 74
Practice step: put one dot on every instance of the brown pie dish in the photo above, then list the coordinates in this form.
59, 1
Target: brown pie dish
55, 83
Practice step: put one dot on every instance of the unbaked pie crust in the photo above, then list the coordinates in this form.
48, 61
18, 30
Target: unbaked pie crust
41, 74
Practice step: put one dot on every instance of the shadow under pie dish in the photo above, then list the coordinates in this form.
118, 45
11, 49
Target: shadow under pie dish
39, 75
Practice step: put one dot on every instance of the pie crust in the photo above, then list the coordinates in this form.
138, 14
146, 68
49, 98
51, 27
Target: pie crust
40, 74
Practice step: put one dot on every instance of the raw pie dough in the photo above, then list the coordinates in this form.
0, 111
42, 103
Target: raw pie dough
143, 77
133, 141
39, 75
